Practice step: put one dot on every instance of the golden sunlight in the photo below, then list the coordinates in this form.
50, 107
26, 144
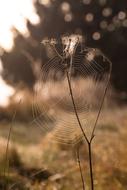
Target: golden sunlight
5, 92
14, 13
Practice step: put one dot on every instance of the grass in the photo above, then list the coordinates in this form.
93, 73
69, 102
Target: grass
30, 152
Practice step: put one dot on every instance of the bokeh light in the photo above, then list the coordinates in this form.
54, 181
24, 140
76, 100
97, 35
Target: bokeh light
68, 17
103, 24
86, 2
89, 17
96, 35
65, 7
45, 2
107, 12
121, 15
125, 23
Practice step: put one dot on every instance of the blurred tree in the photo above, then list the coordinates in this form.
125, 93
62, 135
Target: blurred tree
102, 22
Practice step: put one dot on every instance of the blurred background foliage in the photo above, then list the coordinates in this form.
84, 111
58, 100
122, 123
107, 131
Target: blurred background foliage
103, 23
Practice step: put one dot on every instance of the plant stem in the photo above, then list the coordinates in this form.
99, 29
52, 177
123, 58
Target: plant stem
80, 168
6, 167
75, 110
87, 140
91, 165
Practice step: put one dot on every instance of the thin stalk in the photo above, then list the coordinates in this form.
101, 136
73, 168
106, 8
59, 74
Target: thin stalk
75, 110
80, 168
6, 167
103, 97
91, 166
87, 140
100, 108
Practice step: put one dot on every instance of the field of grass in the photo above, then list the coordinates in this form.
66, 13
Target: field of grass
38, 163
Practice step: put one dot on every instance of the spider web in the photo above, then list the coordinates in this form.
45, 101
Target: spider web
53, 110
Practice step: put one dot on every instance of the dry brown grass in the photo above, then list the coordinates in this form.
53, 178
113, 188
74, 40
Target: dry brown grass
109, 154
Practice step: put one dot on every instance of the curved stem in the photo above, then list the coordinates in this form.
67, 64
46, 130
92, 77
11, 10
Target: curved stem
75, 110
103, 97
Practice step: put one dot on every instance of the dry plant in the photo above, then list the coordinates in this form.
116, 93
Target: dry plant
74, 81
7, 153
69, 95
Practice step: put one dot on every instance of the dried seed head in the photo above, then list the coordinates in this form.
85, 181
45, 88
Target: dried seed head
70, 43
